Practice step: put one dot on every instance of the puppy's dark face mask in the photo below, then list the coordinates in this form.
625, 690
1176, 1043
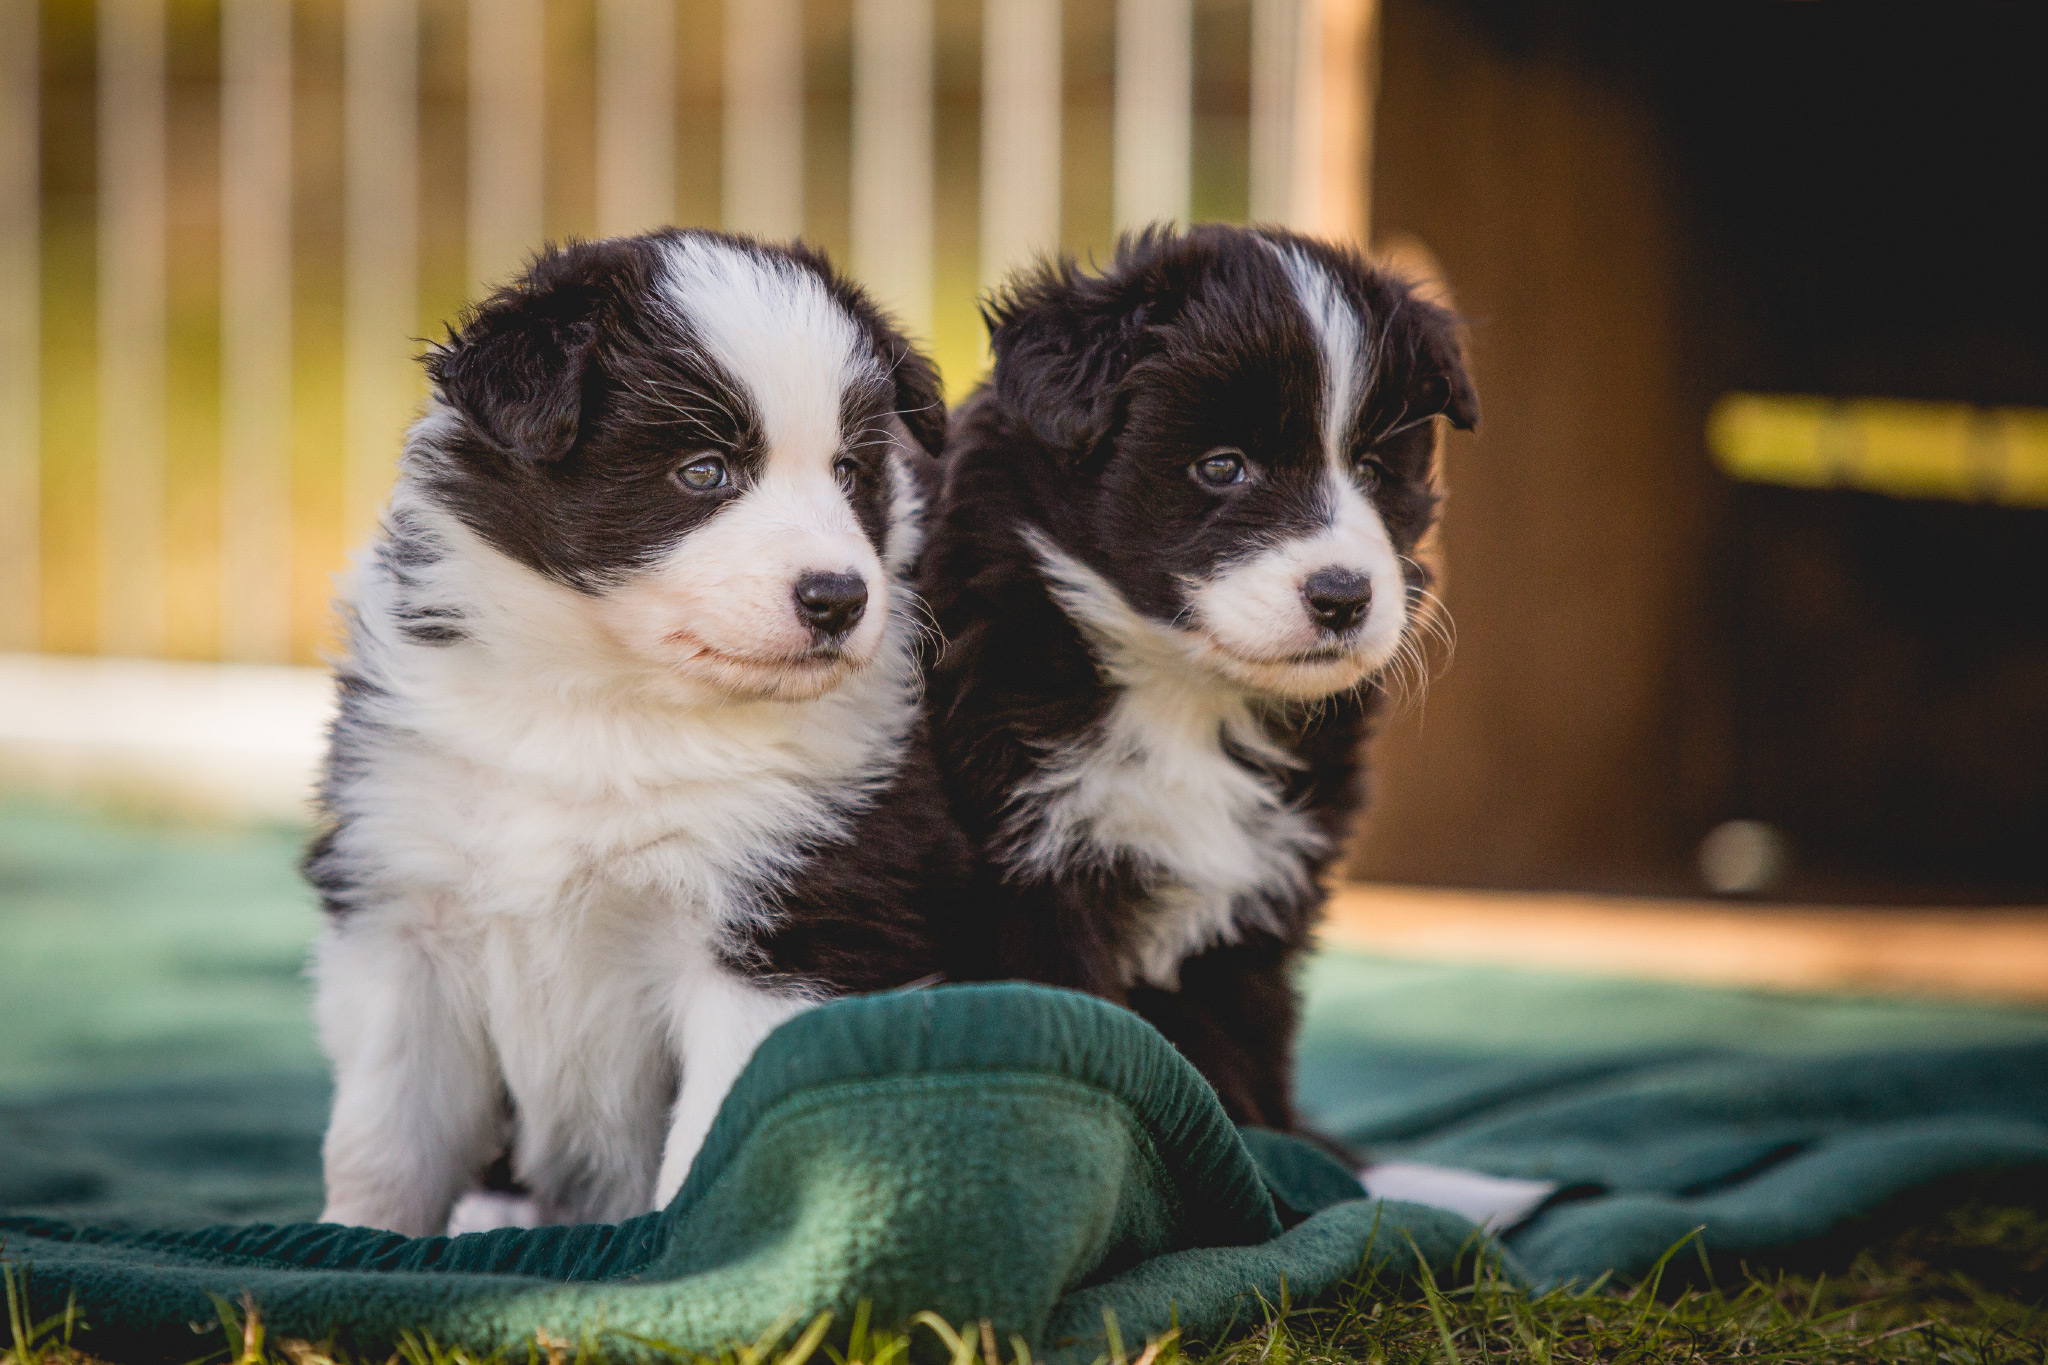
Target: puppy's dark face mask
705, 438
1241, 427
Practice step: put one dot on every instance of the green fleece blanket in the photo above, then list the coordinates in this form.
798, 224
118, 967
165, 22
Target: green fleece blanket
1025, 1156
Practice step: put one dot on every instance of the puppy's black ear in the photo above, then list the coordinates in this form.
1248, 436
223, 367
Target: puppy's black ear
920, 403
1064, 340
520, 364
1441, 383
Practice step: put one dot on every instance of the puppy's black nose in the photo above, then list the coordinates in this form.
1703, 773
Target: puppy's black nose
1337, 598
831, 602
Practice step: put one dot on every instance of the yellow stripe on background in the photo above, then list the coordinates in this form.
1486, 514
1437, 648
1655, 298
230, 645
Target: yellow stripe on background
892, 172
1903, 449
1153, 111
763, 173
133, 214
2026, 450
21, 316
380, 249
256, 331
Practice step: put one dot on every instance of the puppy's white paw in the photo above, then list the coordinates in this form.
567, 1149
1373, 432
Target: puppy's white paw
1496, 1203
488, 1210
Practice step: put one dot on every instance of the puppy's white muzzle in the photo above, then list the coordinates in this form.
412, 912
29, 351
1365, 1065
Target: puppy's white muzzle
1311, 616
779, 596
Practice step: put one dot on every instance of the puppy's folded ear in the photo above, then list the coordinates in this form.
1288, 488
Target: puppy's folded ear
1064, 340
1441, 384
520, 366
920, 404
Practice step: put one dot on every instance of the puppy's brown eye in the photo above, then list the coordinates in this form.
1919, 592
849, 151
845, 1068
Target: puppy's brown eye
702, 475
846, 469
1220, 468
1369, 472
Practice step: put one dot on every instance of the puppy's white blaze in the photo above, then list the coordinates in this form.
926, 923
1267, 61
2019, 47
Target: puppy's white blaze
1342, 343
775, 328
1154, 781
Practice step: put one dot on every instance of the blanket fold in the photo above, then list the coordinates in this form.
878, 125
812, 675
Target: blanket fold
1010, 1153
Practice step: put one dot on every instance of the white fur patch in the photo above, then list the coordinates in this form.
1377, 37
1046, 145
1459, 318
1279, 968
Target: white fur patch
1256, 616
718, 1021
1496, 1203
489, 1210
1154, 782
906, 503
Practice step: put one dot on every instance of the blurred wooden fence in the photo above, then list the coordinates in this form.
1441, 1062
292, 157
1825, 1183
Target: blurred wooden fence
225, 225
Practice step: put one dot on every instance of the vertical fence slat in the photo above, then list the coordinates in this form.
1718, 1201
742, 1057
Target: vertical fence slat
131, 285
1020, 133
507, 136
1313, 84
1154, 116
763, 172
636, 115
892, 155
256, 329
380, 300
20, 327
1348, 96
1278, 32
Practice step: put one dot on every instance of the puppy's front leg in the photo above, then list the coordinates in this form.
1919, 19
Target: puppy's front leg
418, 1102
720, 1020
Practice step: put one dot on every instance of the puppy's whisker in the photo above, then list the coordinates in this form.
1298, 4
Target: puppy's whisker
916, 614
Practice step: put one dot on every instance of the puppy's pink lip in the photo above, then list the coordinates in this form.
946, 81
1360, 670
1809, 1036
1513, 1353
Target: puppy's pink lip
821, 657
1308, 658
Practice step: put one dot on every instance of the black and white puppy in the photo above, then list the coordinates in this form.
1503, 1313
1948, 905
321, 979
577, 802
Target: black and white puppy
628, 767
1173, 556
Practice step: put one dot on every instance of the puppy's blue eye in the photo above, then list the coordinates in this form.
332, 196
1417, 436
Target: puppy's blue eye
846, 469
1369, 472
702, 475
1220, 468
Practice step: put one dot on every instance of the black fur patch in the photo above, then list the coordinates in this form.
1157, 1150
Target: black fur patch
863, 913
324, 867
1107, 388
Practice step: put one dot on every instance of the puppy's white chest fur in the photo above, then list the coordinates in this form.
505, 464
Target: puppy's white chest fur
1155, 783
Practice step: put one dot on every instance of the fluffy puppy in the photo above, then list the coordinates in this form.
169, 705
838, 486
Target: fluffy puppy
628, 767
1173, 557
